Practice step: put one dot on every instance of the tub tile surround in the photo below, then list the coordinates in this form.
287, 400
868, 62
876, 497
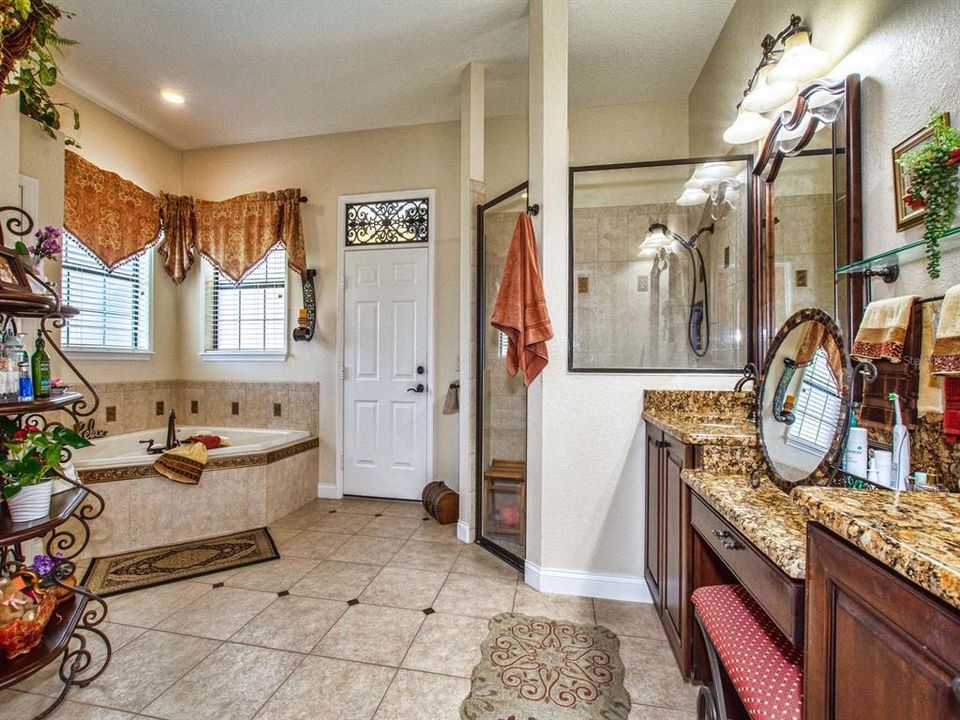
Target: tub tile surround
135, 404
334, 664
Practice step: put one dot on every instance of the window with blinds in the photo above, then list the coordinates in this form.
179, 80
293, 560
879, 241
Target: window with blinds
114, 306
817, 410
249, 316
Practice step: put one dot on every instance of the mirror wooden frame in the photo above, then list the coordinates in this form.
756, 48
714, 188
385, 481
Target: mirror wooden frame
845, 148
825, 471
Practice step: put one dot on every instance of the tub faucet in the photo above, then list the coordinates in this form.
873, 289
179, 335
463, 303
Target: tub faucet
172, 441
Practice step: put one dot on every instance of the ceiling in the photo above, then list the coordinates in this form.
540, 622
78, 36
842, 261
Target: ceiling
252, 70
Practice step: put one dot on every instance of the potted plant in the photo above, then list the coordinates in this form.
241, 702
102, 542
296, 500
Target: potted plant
932, 174
47, 243
28, 37
32, 461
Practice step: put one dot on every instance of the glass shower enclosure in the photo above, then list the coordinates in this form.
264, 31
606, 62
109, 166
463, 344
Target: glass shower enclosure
501, 399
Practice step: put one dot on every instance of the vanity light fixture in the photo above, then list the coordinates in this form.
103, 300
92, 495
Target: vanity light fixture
656, 238
748, 127
172, 97
768, 94
696, 183
715, 172
800, 61
775, 80
691, 197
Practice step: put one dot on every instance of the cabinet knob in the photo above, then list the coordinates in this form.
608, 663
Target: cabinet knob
731, 545
722, 534
662, 444
955, 686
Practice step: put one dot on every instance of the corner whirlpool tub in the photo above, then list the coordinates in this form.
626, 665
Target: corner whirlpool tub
263, 475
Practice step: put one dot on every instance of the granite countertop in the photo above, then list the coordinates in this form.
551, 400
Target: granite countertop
915, 534
704, 429
765, 516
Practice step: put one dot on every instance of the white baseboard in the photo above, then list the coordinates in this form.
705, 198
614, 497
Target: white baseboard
328, 492
464, 531
573, 582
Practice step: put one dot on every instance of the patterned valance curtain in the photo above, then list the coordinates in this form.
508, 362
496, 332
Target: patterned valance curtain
178, 246
236, 234
111, 216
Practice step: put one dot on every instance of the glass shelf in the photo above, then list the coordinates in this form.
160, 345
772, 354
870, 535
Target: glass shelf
881, 263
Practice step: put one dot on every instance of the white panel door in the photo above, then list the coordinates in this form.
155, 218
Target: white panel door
385, 372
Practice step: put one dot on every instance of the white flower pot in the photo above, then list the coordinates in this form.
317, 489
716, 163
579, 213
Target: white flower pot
31, 503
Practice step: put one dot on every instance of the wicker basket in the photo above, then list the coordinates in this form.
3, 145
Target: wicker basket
19, 636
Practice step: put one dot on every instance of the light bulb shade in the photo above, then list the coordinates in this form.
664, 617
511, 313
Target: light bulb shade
767, 94
714, 172
697, 183
692, 197
748, 127
800, 61
656, 238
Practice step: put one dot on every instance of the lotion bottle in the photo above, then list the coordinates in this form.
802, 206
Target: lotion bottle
855, 455
900, 469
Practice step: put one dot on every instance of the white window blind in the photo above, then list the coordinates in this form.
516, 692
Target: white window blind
817, 410
114, 306
249, 316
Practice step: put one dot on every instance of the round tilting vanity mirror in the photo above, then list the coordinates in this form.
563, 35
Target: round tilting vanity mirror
803, 400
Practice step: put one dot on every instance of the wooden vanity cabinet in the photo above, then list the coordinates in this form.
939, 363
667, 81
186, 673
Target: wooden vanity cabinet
668, 537
877, 646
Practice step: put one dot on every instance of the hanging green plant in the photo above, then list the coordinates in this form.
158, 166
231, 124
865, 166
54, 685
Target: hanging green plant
932, 173
28, 37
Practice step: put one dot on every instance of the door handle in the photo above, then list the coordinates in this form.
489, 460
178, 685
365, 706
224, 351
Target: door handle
418, 389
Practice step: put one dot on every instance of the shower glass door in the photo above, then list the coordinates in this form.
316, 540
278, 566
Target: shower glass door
501, 399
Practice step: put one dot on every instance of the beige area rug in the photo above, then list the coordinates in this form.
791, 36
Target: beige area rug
533, 668
168, 563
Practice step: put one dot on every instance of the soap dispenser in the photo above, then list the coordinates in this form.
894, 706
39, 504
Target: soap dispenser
900, 469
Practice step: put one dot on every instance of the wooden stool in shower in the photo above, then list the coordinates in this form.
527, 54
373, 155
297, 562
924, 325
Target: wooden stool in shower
505, 477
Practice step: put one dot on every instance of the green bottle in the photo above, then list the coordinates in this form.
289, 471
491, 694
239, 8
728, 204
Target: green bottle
40, 370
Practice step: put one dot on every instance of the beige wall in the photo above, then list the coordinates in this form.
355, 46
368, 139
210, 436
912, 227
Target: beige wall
112, 143
906, 54
324, 167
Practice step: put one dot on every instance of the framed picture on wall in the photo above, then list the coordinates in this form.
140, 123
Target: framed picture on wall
908, 213
12, 276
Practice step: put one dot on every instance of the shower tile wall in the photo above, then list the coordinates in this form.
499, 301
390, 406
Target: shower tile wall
632, 311
804, 249
505, 401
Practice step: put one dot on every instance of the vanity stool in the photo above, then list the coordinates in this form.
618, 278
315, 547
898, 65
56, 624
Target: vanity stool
765, 669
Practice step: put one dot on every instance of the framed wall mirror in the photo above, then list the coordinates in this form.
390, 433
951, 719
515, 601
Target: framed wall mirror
659, 272
811, 214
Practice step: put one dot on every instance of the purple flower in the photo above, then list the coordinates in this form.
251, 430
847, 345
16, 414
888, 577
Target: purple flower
45, 564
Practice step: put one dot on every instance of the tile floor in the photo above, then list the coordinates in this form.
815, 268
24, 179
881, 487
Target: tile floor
372, 612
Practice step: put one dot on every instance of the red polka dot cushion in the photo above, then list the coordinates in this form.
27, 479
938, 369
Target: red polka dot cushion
765, 668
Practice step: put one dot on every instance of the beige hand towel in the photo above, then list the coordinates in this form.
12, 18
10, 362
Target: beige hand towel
930, 397
184, 464
884, 329
946, 348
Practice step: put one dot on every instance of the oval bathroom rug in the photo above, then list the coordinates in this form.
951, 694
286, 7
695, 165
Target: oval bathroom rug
534, 667
141, 569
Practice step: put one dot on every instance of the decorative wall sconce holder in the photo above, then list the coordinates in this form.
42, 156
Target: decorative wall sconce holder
305, 334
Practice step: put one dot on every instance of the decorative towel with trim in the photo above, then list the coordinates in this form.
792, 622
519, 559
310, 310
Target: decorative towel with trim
183, 464
946, 347
930, 394
520, 311
884, 329
951, 409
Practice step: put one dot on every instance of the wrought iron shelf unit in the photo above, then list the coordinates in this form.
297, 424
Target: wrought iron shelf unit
66, 530
886, 264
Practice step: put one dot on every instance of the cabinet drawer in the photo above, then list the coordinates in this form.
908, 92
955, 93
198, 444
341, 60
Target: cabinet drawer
778, 594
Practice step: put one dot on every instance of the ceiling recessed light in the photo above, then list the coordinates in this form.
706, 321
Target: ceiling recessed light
172, 96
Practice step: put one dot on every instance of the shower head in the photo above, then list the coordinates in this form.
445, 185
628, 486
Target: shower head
659, 235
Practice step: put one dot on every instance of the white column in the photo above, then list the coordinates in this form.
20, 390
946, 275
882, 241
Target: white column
471, 195
548, 165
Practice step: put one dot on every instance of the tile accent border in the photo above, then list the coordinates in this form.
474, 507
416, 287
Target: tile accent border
128, 472
574, 582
